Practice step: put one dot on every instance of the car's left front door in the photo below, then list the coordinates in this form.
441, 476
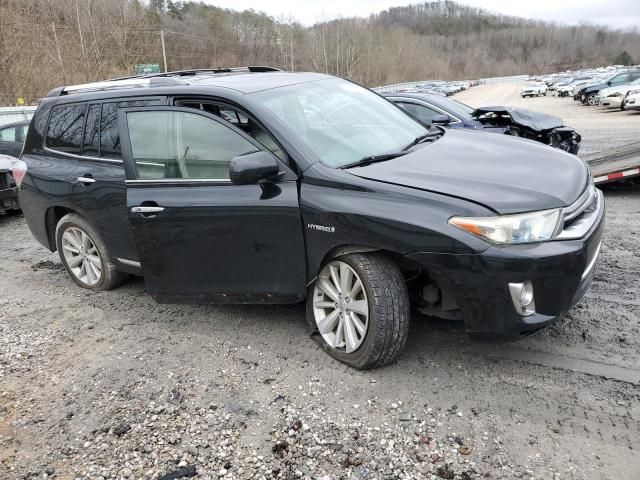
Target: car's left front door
201, 238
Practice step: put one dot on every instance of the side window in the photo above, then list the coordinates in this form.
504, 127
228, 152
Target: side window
91, 144
21, 133
240, 120
109, 134
171, 144
65, 128
422, 113
620, 79
8, 134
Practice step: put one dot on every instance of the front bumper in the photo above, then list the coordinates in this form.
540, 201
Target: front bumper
560, 271
632, 104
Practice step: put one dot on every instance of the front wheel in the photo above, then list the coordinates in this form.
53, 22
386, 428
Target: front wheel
591, 100
358, 310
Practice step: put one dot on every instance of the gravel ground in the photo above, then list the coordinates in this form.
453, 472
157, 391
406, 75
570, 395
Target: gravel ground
112, 385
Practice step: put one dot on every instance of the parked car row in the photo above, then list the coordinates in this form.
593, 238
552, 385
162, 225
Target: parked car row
610, 87
433, 87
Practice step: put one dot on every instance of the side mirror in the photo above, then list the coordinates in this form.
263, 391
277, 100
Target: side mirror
253, 167
441, 120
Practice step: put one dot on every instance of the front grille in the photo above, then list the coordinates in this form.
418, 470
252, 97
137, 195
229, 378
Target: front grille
580, 216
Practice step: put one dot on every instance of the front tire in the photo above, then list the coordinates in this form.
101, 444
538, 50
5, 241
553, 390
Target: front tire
358, 310
84, 255
591, 100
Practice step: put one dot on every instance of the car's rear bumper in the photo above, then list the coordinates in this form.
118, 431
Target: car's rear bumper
560, 271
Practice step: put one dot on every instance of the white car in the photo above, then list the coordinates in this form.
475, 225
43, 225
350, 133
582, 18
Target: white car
533, 90
612, 97
567, 90
632, 100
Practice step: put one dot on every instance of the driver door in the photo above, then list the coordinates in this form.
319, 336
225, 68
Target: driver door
200, 238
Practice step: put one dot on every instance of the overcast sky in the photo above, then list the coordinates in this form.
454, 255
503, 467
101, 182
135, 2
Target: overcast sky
615, 13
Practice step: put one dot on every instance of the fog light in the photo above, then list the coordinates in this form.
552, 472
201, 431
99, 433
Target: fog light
522, 297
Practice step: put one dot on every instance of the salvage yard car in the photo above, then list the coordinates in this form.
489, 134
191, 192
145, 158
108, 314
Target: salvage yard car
533, 90
588, 94
8, 187
517, 122
612, 97
252, 185
12, 138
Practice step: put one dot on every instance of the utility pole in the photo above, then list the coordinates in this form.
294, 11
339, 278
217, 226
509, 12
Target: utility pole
164, 52
55, 38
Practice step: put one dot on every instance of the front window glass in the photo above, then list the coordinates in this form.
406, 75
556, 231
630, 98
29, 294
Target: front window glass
171, 144
422, 113
340, 122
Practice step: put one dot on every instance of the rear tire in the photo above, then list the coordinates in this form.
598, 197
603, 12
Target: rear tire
85, 256
386, 325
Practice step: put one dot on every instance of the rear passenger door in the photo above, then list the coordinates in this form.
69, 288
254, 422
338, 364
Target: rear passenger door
200, 238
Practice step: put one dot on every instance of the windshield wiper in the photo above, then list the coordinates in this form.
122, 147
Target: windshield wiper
422, 138
374, 159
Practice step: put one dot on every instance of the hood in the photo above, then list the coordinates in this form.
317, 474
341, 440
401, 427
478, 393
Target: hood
503, 173
523, 117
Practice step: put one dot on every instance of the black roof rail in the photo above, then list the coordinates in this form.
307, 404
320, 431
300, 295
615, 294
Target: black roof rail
196, 71
154, 79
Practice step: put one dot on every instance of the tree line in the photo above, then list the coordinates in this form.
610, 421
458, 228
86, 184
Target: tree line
48, 43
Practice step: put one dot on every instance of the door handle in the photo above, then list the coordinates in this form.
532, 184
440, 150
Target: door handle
143, 209
86, 179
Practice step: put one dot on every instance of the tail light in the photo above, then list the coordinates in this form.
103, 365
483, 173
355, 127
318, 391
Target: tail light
18, 170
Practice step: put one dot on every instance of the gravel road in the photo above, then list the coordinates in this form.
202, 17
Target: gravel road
112, 385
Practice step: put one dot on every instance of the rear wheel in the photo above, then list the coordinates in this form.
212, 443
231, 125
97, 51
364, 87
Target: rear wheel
358, 310
84, 254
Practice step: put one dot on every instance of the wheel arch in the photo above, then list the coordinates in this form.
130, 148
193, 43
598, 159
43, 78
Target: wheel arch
51, 218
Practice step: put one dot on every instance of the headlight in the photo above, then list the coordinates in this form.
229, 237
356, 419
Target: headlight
617, 94
633, 92
509, 229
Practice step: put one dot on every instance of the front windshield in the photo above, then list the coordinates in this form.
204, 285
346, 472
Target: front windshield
339, 121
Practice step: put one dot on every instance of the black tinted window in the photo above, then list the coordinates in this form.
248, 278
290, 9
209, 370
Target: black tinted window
65, 128
91, 145
109, 134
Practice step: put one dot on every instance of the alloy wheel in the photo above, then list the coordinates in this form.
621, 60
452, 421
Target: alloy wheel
340, 307
591, 100
81, 256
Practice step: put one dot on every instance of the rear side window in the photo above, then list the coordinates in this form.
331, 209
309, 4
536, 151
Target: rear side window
109, 133
65, 128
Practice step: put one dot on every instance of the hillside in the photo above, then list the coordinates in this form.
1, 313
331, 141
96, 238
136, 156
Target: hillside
45, 43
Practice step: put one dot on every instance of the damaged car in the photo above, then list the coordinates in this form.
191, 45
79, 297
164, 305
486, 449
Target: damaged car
8, 186
517, 122
252, 185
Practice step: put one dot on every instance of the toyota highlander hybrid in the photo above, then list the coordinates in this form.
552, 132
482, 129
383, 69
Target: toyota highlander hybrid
252, 185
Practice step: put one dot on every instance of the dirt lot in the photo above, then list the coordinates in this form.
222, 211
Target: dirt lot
113, 385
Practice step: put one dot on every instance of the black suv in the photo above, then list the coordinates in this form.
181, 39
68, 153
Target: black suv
588, 95
259, 186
